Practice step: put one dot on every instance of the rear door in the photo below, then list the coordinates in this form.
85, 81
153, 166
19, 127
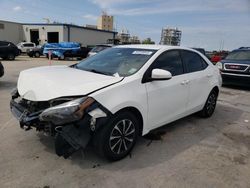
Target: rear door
167, 99
198, 79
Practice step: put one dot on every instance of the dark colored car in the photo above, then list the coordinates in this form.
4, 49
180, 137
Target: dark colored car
1, 70
8, 50
235, 68
36, 52
81, 54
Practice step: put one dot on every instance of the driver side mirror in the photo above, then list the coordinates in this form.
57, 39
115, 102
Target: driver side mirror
160, 74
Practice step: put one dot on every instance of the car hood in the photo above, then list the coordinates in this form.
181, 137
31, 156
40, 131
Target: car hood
235, 61
50, 82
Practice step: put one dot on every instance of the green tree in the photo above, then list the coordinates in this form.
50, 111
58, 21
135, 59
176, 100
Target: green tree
148, 41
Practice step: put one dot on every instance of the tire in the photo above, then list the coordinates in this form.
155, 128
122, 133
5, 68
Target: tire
11, 57
210, 105
37, 54
116, 140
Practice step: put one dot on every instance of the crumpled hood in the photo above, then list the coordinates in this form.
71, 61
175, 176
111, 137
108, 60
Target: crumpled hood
50, 82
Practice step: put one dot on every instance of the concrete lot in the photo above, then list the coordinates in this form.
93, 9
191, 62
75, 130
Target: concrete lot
191, 152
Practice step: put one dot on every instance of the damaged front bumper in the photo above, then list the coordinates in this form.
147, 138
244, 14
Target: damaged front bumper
69, 137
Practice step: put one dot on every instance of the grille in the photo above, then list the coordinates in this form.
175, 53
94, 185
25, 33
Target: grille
236, 67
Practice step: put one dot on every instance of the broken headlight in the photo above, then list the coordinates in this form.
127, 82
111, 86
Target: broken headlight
66, 112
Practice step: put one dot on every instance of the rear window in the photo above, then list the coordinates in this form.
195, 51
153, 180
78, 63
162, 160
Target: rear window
239, 55
28, 45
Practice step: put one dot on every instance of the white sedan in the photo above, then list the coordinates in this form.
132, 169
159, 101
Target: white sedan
115, 96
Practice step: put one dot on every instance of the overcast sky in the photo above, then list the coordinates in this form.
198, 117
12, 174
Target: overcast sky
204, 23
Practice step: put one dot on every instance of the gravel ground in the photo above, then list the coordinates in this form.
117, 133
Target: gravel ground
191, 152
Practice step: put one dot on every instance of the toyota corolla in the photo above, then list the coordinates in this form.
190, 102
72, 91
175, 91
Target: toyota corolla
115, 96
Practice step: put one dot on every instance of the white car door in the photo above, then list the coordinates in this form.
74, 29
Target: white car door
199, 75
167, 99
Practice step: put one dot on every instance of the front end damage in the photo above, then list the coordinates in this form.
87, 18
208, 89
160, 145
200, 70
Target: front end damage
72, 121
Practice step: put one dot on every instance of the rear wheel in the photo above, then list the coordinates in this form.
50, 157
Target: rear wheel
37, 54
11, 57
210, 105
117, 139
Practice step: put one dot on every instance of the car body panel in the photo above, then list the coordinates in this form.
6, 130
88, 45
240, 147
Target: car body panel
46, 83
7, 48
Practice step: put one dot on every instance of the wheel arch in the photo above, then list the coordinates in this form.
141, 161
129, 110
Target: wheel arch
137, 113
216, 89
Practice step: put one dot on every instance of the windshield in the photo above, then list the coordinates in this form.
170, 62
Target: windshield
99, 48
117, 61
239, 55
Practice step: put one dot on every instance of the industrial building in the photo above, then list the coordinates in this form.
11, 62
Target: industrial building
41, 33
171, 36
105, 22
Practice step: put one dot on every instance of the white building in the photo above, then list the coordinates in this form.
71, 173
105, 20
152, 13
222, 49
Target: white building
41, 33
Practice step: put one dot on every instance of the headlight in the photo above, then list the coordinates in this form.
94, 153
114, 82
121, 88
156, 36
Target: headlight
66, 112
219, 65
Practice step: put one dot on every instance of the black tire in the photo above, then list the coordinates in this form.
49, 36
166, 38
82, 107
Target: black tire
61, 57
210, 105
123, 128
37, 55
11, 57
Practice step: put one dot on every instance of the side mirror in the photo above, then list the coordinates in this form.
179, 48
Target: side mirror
160, 74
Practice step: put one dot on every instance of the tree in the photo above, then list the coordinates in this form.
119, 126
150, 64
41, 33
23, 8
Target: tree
148, 41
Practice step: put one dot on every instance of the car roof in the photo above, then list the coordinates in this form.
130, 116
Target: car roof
153, 47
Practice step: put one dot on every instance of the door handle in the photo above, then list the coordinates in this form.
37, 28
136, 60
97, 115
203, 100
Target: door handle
184, 82
209, 75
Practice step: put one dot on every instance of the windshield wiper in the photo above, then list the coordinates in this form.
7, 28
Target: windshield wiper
100, 72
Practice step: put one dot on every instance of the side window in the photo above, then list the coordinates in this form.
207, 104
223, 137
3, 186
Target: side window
3, 44
193, 61
170, 61
28, 45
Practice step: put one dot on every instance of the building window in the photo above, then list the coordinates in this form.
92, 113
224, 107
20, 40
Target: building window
1, 26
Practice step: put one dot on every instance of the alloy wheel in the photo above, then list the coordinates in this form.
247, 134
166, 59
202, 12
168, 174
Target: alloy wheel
122, 136
211, 104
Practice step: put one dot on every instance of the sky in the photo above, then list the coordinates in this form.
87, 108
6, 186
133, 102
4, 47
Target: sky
210, 24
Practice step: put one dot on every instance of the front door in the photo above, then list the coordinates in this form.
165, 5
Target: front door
167, 99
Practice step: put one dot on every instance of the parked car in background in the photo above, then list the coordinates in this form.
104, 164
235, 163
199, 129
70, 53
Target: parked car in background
115, 96
98, 48
8, 51
25, 47
65, 49
36, 52
80, 54
1, 70
235, 68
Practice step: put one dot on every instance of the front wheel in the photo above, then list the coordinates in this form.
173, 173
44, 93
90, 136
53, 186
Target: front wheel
117, 139
210, 105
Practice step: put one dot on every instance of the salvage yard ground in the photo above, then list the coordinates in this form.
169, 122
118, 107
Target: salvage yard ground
191, 152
